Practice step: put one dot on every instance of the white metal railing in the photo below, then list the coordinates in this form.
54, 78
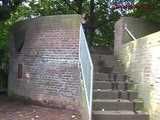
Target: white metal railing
129, 32
86, 70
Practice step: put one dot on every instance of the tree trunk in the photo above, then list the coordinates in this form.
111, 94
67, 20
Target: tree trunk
91, 22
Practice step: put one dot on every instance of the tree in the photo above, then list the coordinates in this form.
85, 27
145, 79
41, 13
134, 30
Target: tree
148, 9
99, 18
99, 22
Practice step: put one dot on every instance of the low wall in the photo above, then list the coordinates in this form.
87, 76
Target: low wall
138, 27
141, 61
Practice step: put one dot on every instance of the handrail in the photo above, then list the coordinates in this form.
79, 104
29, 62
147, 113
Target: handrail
129, 32
86, 70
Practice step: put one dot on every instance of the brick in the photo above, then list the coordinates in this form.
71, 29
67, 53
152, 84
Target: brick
50, 58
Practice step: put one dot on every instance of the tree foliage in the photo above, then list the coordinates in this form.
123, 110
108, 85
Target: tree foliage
148, 9
100, 22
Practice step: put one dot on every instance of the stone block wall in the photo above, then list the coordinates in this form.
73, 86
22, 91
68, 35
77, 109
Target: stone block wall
44, 64
141, 61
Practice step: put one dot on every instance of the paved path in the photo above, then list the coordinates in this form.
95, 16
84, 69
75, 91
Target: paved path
18, 110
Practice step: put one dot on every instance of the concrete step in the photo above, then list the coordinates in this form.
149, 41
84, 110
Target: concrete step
112, 105
103, 60
115, 104
101, 85
102, 50
105, 57
114, 94
98, 76
103, 69
119, 115
106, 69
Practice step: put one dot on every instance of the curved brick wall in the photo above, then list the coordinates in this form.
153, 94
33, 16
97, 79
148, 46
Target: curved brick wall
44, 62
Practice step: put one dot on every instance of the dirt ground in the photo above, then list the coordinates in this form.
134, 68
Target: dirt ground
19, 110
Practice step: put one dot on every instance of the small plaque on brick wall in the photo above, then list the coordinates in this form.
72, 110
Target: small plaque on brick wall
20, 71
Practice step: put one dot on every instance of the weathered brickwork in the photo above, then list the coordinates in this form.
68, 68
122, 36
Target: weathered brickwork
48, 49
141, 60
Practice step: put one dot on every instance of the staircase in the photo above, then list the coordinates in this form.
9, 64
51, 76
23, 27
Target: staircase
114, 97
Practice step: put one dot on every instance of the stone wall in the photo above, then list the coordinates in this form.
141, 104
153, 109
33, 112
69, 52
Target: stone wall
44, 64
141, 60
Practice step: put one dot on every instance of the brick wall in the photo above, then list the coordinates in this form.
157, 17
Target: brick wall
48, 50
141, 60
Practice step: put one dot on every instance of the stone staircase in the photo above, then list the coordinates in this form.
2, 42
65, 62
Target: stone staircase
114, 97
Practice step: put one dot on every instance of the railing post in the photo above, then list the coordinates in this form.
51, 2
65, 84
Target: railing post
129, 32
